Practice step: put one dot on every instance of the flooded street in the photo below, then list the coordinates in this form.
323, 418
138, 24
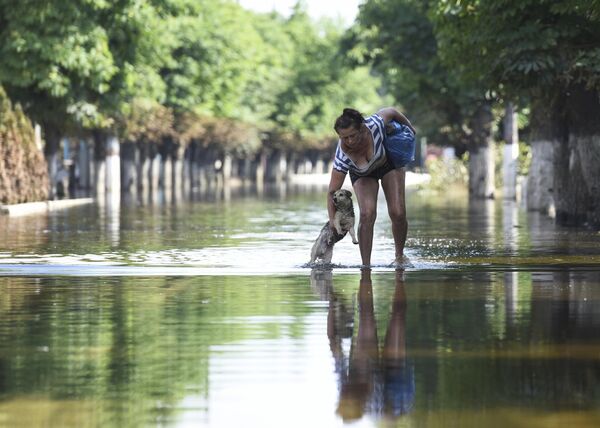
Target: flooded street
206, 314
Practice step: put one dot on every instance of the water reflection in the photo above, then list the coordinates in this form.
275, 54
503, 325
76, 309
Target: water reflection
423, 349
372, 379
151, 315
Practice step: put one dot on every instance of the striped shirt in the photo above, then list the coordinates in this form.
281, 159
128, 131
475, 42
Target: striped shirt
343, 163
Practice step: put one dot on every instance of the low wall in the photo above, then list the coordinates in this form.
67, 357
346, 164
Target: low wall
42, 207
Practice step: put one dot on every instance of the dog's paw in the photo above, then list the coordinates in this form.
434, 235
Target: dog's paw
354, 241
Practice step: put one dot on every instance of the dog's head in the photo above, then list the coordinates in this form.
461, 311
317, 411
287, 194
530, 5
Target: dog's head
342, 197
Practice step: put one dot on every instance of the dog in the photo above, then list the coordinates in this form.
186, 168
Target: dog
343, 222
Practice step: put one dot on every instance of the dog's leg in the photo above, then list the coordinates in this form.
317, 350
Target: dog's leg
314, 251
353, 235
328, 255
338, 225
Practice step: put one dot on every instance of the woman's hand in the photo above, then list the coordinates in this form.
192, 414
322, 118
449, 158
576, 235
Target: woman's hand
390, 113
335, 183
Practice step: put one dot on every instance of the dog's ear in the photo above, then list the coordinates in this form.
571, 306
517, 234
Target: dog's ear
348, 193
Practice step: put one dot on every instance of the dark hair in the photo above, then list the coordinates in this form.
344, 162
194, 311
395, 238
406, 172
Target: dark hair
349, 118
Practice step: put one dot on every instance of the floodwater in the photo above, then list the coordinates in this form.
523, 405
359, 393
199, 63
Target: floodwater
205, 314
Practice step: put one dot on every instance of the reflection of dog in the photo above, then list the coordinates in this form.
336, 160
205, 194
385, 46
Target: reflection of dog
343, 222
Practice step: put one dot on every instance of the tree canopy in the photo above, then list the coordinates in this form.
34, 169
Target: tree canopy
93, 64
521, 46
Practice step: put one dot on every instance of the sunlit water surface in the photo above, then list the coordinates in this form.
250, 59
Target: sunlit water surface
206, 314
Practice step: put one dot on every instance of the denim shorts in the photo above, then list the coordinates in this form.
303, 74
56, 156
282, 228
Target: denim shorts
377, 173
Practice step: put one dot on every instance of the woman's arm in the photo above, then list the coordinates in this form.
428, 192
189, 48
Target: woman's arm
335, 183
390, 113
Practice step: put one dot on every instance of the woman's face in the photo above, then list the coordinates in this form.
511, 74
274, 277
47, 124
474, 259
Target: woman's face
351, 137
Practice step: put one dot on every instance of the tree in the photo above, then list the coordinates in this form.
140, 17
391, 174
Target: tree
398, 39
74, 65
213, 57
549, 52
321, 83
55, 57
23, 177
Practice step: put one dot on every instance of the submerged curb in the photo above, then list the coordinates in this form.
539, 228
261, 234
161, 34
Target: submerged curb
42, 207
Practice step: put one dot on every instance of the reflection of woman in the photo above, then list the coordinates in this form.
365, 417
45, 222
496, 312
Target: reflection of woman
399, 382
373, 381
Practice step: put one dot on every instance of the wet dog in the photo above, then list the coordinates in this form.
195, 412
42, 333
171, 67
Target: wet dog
343, 222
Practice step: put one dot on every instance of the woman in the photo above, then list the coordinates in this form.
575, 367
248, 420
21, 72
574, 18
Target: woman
361, 152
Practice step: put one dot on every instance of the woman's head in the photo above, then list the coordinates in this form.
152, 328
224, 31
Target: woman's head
349, 127
349, 118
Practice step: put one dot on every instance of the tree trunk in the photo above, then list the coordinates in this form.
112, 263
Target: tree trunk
52, 137
153, 172
511, 153
540, 181
142, 168
226, 169
203, 165
84, 164
99, 179
186, 172
261, 168
177, 158
292, 166
481, 155
194, 166
113, 167
547, 132
577, 160
277, 166
321, 166
588, 149
166, 169
246, 170
129, 171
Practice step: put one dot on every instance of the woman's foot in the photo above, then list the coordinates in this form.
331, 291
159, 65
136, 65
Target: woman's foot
402, 262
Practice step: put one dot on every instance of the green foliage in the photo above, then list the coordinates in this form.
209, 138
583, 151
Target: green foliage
212, 58
55, 55
146, 121
397, 38
320, 83
229, 136
93, 63
447, 173
140, 44
55, 45
23, 174
524, 159
518, 46
89, 64
98, 64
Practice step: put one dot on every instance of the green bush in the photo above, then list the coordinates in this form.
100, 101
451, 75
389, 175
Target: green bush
23, 171
447, 172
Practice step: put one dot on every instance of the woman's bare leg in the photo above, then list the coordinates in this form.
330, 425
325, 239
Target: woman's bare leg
395, 339
366, 190
393, 184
